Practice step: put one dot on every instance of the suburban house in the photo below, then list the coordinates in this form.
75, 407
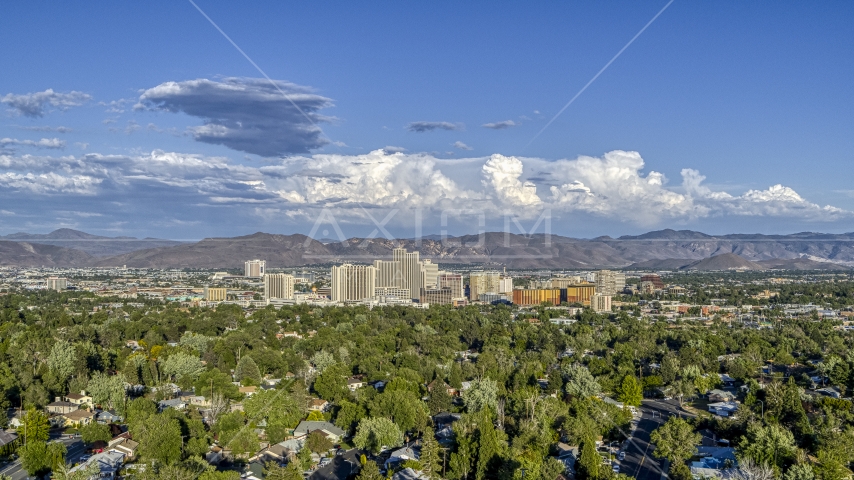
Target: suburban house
175, 403
108, 462
125, 446
248, 391
318, 405
107, 417
77, 417
356, 382
567, 455
409, 474
60, 406
723, 409
717, 395
331, 432
196, 400
401, 455
79, 398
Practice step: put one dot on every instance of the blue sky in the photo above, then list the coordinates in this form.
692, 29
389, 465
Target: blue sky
747, 95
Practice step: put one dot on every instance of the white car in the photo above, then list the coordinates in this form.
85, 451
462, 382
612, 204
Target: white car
616, 468
621, 456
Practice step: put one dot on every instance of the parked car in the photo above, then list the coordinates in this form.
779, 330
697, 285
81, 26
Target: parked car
622, 456
616, 468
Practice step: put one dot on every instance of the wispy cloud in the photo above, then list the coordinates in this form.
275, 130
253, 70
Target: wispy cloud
462, 146
54, 143
36, 104
422, 127
44, 128
500, 125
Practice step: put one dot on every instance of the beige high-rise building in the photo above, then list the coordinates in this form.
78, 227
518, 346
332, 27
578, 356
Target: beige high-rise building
454, 281
255, 268
388, 273
57, 284
278, 285
483, 282
215, 294
609, 282
429, 274
600, 303
353, 282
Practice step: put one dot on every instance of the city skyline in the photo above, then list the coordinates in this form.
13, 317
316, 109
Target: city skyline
723, 119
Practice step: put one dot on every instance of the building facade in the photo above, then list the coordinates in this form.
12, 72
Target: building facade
454, 281
254, 268
353, 282
278, 285
57, 284
609, 282
215, 294
600, 303
483, 282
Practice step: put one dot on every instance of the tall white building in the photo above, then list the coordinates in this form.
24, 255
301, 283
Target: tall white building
57, 284
609, 282
353, 282
429, 274
483, 282
255, 268
600, 302
406, 270
278, 285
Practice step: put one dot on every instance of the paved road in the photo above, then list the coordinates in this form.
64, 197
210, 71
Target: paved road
75, 447
639, 461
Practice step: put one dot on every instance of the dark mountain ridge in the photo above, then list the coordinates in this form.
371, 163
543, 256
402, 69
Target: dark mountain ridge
664, 249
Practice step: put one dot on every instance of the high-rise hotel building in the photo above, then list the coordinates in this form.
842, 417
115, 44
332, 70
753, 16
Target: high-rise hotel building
278, 285
255, 268
353, 282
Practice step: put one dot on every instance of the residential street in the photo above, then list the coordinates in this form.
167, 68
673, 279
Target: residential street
639, 461
75, 447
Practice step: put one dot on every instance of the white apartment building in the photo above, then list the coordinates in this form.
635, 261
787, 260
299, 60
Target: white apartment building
353, 282
600, 302
255, 268
483, 282
278, 285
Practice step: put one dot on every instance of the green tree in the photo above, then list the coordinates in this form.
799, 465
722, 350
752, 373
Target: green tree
159, 438
579, 382
289, 472
214, 379
675, 440
374, 433
491, 446
317, 442
482, 394
439, 400
461, 460
431, 460
246, 372
94, 432
183, 367
332, 383
772, 445
403, 407
108, 391
630, 391
35, 426
62, 360
799, 471
348, 415
370, 471
34, 457
589, 461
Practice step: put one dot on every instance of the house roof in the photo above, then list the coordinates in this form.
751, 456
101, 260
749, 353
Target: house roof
7, 437
305, 427
77, 415
62, 404
409, 474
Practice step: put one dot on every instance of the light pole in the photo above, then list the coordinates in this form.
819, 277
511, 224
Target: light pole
763, 409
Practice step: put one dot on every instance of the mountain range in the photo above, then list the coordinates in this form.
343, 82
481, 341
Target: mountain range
658, 250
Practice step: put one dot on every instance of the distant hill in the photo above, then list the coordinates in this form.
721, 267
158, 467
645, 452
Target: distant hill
660, 250
724, 261
94, 245
24, 254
